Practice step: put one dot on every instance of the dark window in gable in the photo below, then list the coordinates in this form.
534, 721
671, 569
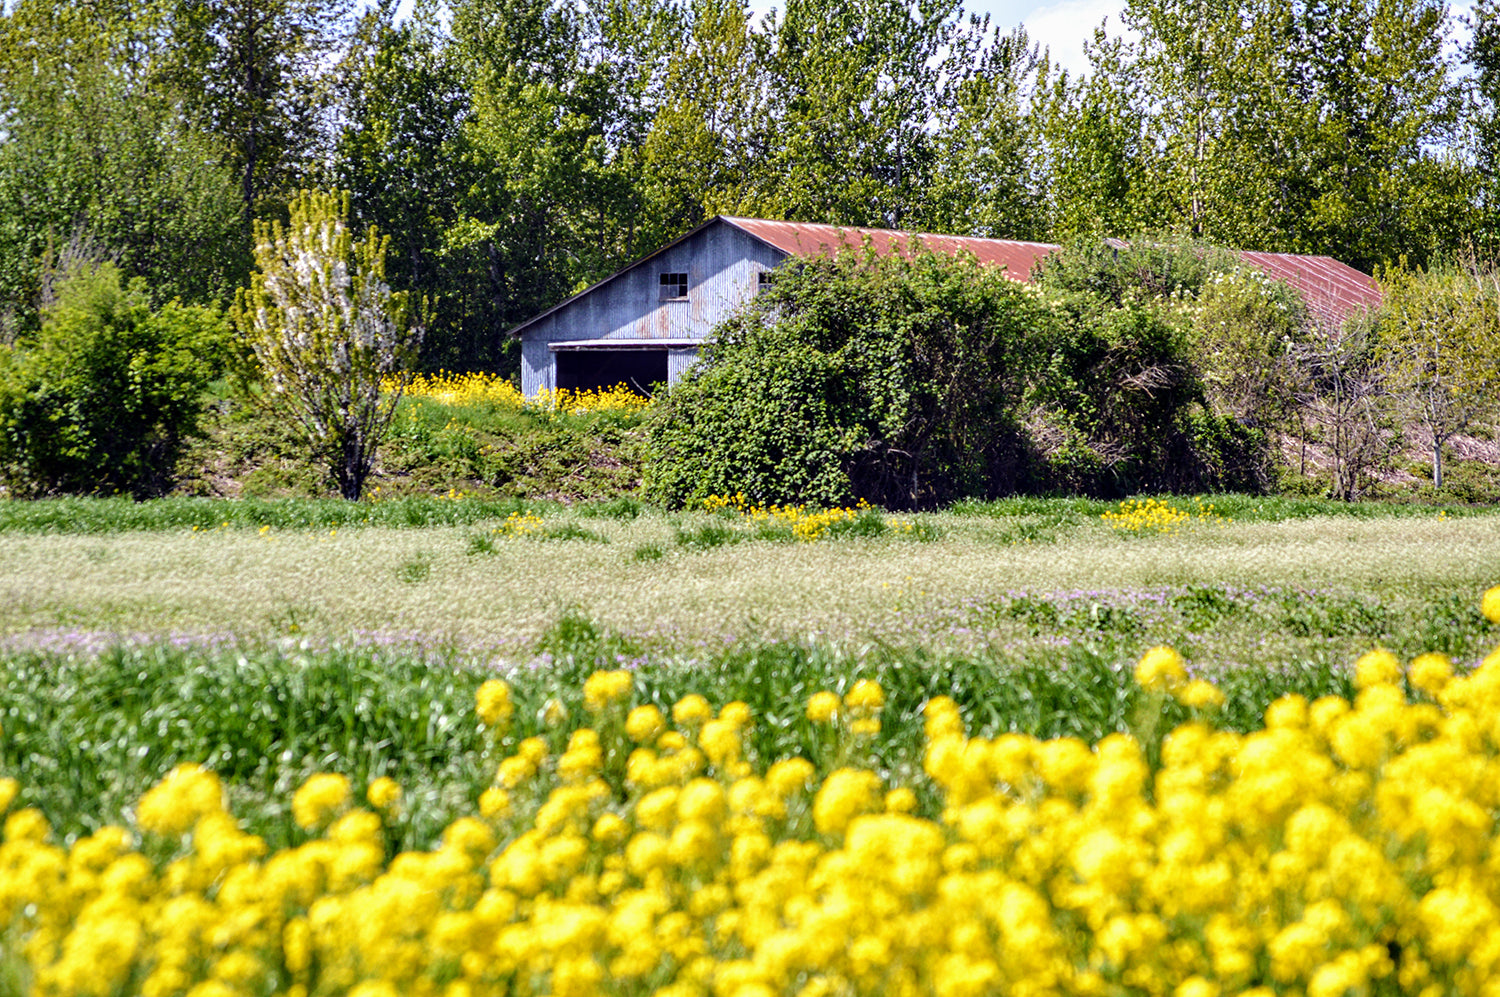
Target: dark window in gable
673, 286
762, 280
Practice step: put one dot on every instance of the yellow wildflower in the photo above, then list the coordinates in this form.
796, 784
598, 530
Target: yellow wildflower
602, 689
1161, 669
644, 723
691, 710
321, 797
822, 707
1489, 604
865, 697
1199, 694
492, 703
1431, 672
1377, 667
384, 793
173, 806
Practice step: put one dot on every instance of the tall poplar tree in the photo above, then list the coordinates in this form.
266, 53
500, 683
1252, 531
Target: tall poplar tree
404, 157
855, 93
97, 156
257, 74
1317, 126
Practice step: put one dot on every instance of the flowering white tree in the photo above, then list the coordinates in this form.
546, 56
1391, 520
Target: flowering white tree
334, 343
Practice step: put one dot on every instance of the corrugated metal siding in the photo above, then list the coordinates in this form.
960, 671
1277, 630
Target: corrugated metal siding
723, 267
678, 361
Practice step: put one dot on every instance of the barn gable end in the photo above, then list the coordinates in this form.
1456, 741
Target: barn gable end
635, 322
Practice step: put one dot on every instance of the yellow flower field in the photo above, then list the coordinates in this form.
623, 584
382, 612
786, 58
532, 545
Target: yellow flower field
480, 388
1346, 848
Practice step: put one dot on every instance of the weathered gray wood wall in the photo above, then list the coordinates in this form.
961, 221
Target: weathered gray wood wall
723, 266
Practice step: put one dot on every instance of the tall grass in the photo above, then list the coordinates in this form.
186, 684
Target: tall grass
121, 515
86, 735
1028, 516
677, 582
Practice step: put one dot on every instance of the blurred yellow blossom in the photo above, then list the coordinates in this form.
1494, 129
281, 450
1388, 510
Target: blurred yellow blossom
319, 800
1199, 694
492, 703
173, 806
383, 793
822, 707
1160, 669
602, 689
1489, 604
1377, 667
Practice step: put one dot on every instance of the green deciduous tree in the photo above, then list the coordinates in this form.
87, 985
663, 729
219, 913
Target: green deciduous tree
855, 90
257, 74
1099, 178
1320, 126
334, 345
1483, 56
707, 142
1345, 393
102, 398
404, 157
563, 96
988, 176
92, 147
1440, 331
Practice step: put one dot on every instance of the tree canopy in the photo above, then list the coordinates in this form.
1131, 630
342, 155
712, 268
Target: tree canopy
516, 151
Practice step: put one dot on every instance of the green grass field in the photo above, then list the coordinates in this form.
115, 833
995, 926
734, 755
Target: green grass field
152, 628
1274, 583
296, 646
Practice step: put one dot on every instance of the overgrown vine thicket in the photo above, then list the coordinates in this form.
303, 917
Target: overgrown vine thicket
910, 383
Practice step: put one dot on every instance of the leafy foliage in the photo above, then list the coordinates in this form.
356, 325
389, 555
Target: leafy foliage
1440, 331
858, 376
102, 399
96, 162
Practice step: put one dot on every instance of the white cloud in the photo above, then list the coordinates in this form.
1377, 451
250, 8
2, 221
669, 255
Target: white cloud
1065, 25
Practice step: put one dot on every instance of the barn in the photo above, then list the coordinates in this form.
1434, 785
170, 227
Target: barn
644, 324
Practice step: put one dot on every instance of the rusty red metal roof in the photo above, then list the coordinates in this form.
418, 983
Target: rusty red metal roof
805, 240
1333, 291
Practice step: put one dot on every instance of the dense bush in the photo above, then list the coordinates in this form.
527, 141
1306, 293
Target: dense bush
1147, 269
857, 377
1138, 375
911, 383
101, 400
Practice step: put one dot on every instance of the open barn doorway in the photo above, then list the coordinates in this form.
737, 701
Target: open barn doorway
594, 370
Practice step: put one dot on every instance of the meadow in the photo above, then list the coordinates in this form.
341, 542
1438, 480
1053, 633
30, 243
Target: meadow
463, 746
1253, 583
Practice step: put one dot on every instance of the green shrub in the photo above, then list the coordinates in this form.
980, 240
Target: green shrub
1147, 269
102, 399
856, 377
